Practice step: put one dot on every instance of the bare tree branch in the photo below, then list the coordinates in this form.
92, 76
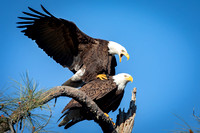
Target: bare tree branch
125, 121
81, 97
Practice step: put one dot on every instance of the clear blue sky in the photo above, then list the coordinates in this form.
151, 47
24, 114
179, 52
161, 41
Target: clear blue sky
162, 38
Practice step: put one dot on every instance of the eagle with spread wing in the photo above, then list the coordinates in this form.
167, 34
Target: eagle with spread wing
88, 58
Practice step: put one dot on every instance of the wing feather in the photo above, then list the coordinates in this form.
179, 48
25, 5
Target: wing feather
46, 11
25, 18
59, 38
25, 22
33, 15
33, 10
95, 90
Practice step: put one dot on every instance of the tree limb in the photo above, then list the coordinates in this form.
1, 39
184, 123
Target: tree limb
81, 97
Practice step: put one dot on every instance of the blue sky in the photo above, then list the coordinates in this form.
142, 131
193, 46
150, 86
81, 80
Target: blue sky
162, 38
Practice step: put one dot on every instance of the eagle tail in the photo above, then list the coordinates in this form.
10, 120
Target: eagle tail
71, 83
72, 123
72, 116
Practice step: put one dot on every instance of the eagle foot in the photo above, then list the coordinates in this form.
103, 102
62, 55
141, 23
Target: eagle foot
106, 115
113, 123
109, 118
102, 76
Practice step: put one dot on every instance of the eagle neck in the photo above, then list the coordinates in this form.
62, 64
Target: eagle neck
112, 48
121, 84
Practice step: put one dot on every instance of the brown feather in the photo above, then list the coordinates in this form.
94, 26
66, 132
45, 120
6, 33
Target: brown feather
103, 92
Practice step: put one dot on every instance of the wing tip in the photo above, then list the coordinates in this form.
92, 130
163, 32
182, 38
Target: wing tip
45, 10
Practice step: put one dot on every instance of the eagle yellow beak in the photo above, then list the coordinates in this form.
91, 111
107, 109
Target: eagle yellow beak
125, 54
130, 78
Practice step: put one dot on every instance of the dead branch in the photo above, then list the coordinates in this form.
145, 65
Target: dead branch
81, 97
125, 121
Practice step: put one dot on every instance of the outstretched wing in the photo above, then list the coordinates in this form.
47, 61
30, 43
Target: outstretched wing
95, 90
59, 38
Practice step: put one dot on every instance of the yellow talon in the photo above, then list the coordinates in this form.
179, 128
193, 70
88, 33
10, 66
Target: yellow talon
106, 114
109, 118
102, 76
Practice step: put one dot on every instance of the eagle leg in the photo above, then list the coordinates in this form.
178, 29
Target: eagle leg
102, 76
109, 118
106, 115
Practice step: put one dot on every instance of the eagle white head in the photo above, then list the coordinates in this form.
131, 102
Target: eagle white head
116, 48
122, 79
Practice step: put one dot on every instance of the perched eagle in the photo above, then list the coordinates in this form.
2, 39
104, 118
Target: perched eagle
62, 40
107, 94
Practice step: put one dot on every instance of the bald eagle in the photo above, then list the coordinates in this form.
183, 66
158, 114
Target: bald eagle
87, 57
107, 94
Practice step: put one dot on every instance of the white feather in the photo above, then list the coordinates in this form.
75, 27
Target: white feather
77, 76
115, 48
120, 80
